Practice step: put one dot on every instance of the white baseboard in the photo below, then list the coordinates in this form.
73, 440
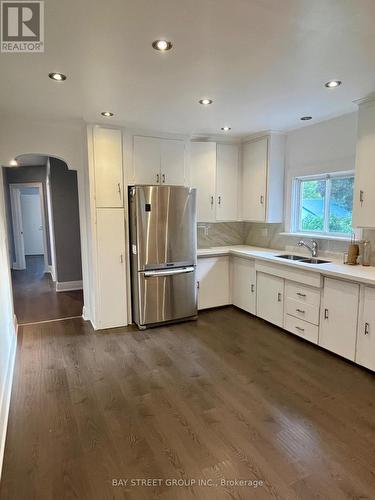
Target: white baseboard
50, 270
5, 397
67, 286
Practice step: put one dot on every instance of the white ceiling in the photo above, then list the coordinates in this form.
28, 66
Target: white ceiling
263, 62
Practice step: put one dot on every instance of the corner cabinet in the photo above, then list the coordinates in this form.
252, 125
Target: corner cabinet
107, 156
263, 179
364, 188
243, 284
158, 161
339, 315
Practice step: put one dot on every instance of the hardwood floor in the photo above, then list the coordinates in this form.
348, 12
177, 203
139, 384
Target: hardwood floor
227, 397
35, 297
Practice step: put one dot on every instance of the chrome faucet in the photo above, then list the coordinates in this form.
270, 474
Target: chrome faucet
313, 247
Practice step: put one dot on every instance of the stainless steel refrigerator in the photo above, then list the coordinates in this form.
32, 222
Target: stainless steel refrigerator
163, 253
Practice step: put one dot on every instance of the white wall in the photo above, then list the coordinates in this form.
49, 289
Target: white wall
7, 328
327, 146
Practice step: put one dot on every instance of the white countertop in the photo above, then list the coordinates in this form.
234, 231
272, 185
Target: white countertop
336, 269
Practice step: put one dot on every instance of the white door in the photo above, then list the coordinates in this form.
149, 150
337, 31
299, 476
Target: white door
270, 298
227, 186
365, 354
213, 282
112, 300
338, 326
108, 167
146, 158
243, 284
254, 180
172, 165
203, 169
32, 221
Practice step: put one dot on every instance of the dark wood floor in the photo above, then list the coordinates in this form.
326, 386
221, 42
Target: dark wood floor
226, 397
35, 297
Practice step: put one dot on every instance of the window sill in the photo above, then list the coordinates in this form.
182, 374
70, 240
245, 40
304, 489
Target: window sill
318, 236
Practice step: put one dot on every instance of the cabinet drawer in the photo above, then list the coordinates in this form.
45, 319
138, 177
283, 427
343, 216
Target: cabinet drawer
303, 293
302, 310
301, 328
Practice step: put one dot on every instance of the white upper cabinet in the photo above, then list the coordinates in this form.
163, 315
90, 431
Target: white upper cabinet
203, 177
227, 182
146, 158
158, 161
263, 179
364, 190
172, 164
108, 167
338, 327
365, 354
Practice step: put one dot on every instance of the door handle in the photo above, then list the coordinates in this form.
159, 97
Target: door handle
121, 259
261, 199
300, 311
168, 272
301, 294
252, 288
119, 189
299, 329
163, 178
279, 297
325, 313
157, 178
212, 201
367, 328
361, 196
219, 200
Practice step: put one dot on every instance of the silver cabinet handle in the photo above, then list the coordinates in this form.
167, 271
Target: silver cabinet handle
157, 178
219, 200
252, 288
119, 189
299, 329
212, 201
367, 328
261, 199
198, 285
300, 311
325, 313
121, 259
279, 297
301, 294
361, 196
163, 178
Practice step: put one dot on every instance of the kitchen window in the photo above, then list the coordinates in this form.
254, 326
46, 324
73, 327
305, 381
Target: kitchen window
323, 204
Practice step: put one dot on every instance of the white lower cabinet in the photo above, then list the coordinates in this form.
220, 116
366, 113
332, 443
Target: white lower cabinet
111, 286
339, 315
270, 298
365, 354
213, 282
243, 284
301, 328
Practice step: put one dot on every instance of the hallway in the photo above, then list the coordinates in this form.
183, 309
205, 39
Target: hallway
35, 297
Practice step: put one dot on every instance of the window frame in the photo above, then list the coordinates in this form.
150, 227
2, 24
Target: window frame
296, 203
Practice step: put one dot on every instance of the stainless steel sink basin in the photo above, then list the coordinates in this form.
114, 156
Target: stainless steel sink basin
306, 260
291, 257
315, 261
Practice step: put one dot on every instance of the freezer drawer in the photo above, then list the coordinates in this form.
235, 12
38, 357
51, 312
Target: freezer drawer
166, 295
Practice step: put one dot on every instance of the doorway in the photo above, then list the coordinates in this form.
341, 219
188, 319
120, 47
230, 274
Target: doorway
42, 212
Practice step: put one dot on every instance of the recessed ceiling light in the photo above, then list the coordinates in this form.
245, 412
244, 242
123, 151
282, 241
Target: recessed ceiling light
205, 102
58, 77
162, 45
13, 163
226, 129
333, 84
305, 118
107, 114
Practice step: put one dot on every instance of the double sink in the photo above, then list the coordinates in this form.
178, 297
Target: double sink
306, 260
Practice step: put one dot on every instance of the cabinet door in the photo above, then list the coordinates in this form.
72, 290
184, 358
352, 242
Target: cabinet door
243, 284
364, 190
270, 298
365, 354
338, 326
112, 301
213, 282
227, 168
203, 168
172, 162
146, 158
254, 181
108, 167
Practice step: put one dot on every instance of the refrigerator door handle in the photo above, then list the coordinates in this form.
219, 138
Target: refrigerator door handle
168, 272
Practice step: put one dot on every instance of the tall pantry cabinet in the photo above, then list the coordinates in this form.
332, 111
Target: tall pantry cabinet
108, 238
